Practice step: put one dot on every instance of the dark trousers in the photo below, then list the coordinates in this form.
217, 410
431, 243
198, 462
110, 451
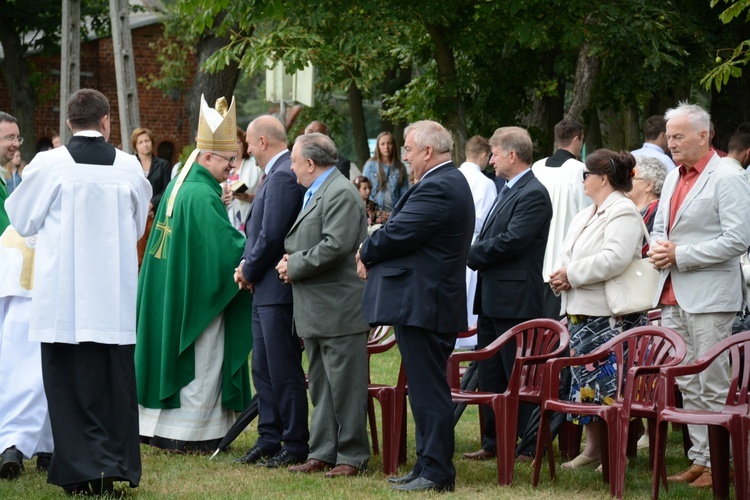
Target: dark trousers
494, 373
425, 355
551, 303
93, 410
279, 381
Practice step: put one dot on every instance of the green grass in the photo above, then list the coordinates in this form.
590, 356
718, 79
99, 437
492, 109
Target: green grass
177, 476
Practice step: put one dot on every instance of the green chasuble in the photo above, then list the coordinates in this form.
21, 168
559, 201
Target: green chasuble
4, 221
186, 281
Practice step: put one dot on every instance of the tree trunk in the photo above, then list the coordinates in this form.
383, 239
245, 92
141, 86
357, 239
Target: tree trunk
587, 70
448, 99
127, 88
16, 71
70, 62
359, 130
545, 112
213, 86
631, 127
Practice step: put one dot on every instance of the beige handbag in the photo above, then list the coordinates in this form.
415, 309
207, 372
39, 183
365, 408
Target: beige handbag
634, 290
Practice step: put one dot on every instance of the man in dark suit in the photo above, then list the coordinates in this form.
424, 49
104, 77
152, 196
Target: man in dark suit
277, 355
508, 255
320, 266
343, 163
416, 280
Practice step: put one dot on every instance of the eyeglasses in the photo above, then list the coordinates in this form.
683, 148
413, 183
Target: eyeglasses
11, 138
586, 173
231, 159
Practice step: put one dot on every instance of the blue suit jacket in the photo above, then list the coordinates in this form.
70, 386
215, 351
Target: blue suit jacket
275, 208
417, 261
509, 253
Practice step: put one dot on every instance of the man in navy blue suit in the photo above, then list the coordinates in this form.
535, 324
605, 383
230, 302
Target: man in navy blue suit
415, 268
508, 255
277, 354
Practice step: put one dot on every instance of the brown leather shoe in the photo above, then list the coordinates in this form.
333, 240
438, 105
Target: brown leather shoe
342, 470
480, 455
688, 475
705, 480
312, 465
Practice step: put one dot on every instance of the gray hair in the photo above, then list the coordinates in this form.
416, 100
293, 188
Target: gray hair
514, 139
5, 117
319, 148
652, 170
430, 133
699, 117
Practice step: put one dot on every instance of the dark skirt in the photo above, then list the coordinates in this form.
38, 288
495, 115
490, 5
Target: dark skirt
595, 383
93, 411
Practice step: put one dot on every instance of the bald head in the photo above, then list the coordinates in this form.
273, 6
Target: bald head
266, 137
317, 127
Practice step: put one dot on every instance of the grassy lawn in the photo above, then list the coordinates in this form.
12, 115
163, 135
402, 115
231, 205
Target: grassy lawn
174, 476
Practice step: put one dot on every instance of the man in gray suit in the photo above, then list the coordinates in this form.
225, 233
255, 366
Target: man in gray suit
320, 264
699, 234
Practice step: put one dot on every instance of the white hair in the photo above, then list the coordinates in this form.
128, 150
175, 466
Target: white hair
698, 117
430, 133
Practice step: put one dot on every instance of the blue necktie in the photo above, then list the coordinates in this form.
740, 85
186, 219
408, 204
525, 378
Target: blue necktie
308, 195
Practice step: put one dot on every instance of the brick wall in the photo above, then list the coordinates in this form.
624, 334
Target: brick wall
166, 116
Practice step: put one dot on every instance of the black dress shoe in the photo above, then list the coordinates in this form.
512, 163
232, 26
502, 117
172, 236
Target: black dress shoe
283, 459
254, 455
78, 489
423, 484
102, 487
42, 461
11, 463
411, 476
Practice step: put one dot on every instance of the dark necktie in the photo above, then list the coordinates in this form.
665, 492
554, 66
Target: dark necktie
495, 206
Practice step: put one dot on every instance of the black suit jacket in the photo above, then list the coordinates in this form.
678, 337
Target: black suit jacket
509, 252
159, 176
275, 208
417, 261
344, 165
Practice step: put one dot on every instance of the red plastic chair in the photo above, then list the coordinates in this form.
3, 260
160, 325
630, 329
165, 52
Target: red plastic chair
392, 401
733, 421
639, 353
536, 342
377, 335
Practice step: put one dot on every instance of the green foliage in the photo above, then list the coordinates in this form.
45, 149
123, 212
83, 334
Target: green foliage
729, 61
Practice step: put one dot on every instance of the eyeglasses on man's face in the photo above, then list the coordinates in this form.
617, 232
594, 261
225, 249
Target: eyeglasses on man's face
14, 138
230, 159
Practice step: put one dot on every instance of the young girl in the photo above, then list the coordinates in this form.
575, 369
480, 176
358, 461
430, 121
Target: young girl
365, 188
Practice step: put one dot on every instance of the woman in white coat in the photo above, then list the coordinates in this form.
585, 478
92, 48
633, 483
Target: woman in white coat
601, 242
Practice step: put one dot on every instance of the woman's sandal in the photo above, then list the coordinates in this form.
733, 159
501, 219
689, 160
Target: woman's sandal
581, 461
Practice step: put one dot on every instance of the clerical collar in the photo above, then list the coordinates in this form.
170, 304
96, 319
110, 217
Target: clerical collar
558, 158
88, 133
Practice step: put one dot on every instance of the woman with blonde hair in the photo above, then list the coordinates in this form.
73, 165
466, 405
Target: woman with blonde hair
13, 171
388, 175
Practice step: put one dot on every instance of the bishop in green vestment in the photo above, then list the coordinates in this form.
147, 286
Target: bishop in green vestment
194, 324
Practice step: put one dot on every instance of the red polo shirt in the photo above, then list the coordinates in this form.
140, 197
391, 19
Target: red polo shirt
688, 178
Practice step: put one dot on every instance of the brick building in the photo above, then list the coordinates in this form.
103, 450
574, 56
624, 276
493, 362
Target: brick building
166, 116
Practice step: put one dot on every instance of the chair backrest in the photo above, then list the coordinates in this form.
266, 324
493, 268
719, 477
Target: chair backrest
537, 340
738, 346
642, 347
377, 334
654, 317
